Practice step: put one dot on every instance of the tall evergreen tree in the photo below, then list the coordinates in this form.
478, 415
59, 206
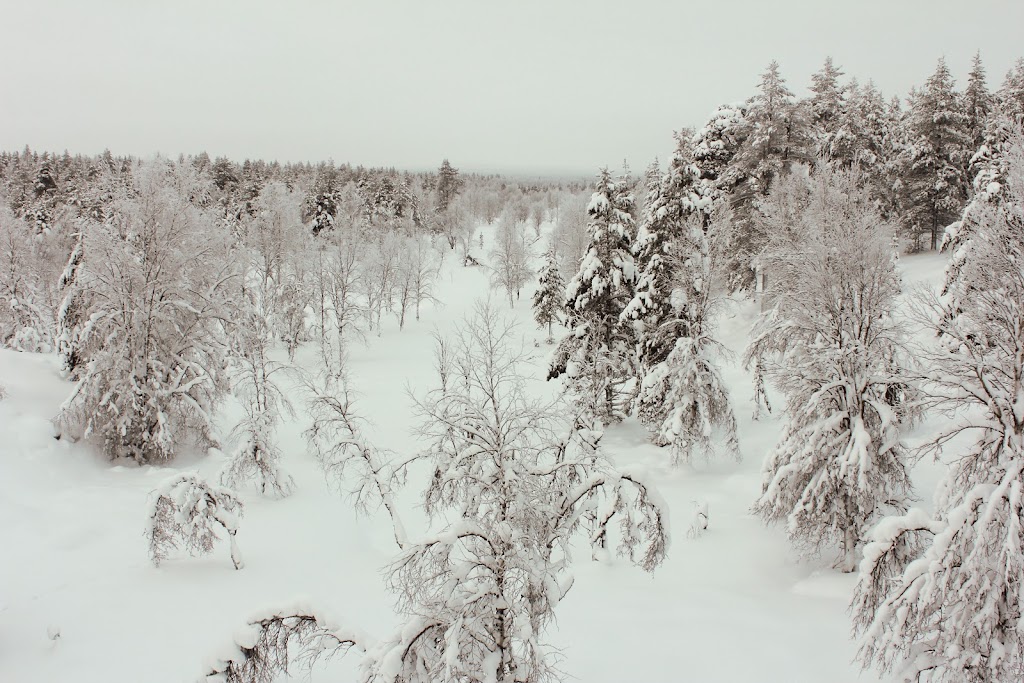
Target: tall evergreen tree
1010, 97
549, 298
935, 157
828, 116
598, 355
448, 184
977, 104
778, 132
671, 201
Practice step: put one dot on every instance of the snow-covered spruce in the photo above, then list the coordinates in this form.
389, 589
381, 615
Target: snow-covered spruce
671, 200
517, 480
549, 298
829, 341
598, 355
69, 315
158, 277
941, 599
185, 515
683, 397
278, 641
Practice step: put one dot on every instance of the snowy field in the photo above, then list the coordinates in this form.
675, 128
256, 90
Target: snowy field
736, 604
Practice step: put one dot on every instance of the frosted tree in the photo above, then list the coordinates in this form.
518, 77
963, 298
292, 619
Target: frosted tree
571, 237
187, 513
27, 316
510, 257
682, 397
517, 482
977, 104
671, 201
597, 356
549, 298
256, 456
1010, 97
159, 277
939, 599
417, 270
831, 344
337, 437
828, 114
935, 157
514, 483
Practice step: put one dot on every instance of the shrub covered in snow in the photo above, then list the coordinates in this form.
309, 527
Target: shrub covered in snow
185, 515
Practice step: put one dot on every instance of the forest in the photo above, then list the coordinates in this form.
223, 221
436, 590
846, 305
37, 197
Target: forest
778, 372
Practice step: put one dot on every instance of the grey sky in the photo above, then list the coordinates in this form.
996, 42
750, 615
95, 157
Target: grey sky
525, 85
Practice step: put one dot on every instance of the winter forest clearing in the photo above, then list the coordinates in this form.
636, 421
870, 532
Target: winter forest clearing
753, 414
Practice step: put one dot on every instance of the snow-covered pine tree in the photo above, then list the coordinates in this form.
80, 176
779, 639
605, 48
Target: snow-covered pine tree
935, 157
661, 226
1010, 97
829, 341
776, 137
597, 356
778, 133
939, 599
549, 298
715, 146
69, 315
159, 276
683, 397
828, 115
977, 105
186, 513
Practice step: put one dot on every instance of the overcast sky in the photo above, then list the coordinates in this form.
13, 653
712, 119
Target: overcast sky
515, 86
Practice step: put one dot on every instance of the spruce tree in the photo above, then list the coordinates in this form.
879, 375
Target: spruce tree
977, 105
549, 298
828, 115
672, 200
598, 355
935, 157
1010, 97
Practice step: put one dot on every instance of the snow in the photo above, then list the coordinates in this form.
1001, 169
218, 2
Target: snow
733, 604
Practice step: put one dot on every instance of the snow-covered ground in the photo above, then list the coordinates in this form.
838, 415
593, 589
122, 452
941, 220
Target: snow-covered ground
735, 604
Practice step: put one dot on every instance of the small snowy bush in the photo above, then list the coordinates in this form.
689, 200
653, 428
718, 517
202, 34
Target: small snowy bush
185, 515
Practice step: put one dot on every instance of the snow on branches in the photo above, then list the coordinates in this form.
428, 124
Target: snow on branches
597, 356
186, 514
941, 599
275, 641
337, 437
158, 276
830, 343
682, 397
518, 480
256, 456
